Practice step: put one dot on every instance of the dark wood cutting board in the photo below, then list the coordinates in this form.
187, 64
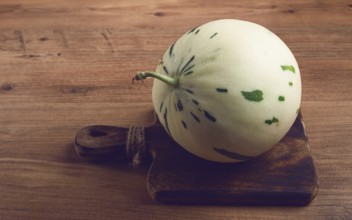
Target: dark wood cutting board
285, 175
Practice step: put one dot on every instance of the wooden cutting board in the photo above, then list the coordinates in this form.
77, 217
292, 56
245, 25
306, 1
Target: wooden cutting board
285, 175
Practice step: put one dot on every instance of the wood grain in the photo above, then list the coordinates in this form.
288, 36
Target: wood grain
67, 64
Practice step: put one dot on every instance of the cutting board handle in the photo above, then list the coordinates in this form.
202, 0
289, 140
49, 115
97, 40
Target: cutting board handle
96, 141
124, 144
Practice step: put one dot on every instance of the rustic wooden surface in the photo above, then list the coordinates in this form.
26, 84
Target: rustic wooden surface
66, 64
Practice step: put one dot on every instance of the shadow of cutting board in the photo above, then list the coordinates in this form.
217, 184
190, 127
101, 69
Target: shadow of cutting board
285, 175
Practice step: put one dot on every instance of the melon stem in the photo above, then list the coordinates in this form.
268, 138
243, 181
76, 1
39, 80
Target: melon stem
164, 78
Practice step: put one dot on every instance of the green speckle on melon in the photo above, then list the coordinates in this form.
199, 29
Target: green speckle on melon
254, 96
213, 35
223, 90
271, 121
288, 68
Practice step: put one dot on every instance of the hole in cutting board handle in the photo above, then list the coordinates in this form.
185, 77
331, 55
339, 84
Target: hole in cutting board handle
97, 133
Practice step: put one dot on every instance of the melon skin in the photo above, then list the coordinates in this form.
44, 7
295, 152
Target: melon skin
238, 91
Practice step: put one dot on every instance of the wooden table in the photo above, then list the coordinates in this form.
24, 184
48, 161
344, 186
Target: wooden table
67, 64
